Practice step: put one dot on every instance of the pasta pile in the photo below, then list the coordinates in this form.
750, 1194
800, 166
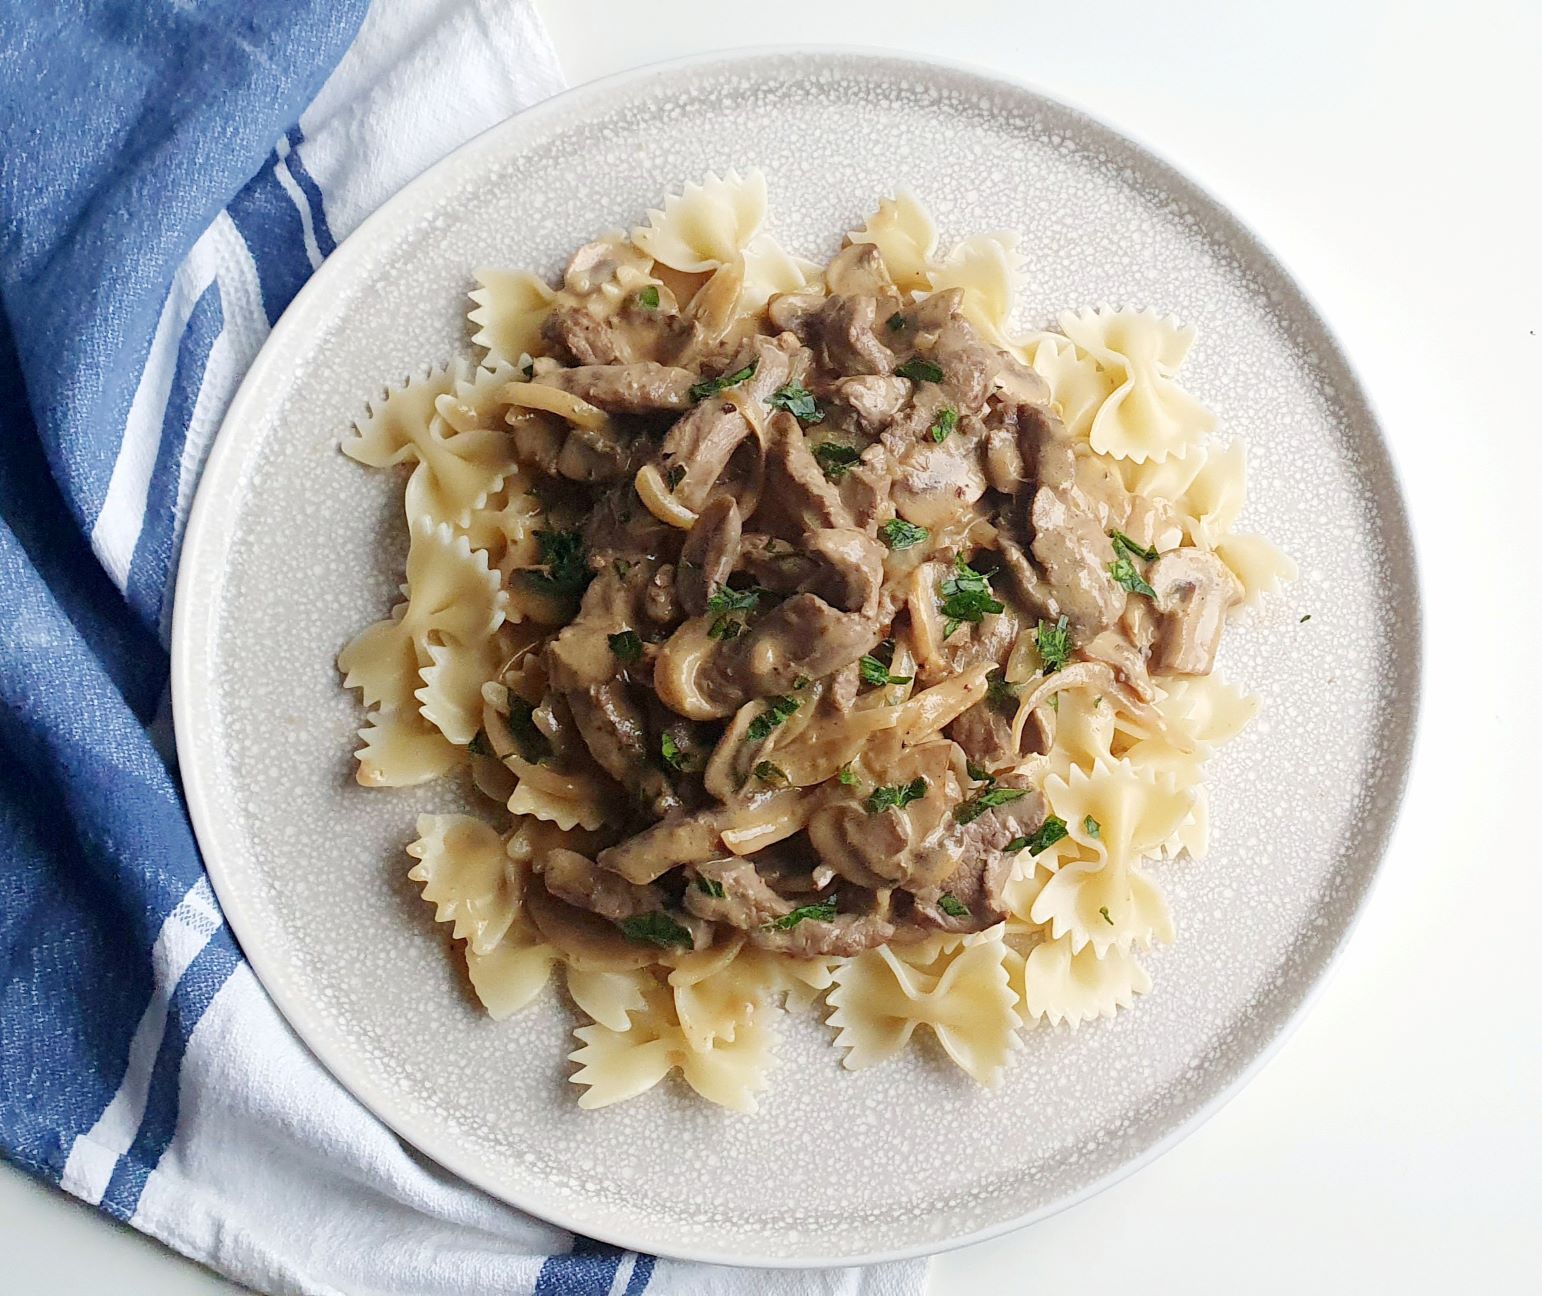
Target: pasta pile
453, 677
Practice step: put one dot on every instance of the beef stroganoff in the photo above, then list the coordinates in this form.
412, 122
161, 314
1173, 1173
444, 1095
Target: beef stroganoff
825, 642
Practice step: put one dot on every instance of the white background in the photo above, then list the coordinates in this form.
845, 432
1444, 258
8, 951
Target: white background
1390, 153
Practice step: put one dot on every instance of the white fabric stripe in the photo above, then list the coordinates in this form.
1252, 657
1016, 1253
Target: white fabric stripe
297, 197
117, 527
182, 937
245, 330
623, 1274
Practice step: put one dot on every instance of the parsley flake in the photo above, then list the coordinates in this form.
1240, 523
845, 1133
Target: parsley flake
847, 776
1054, 644
1106, 918
766, 772
966, 596
777, 711
1092, 827
534, 746
1124, 547
919, 370
479, 746
648, 298
798, 402
896, 795
897, 322
944, 424
953, 906
528, 369
978, 772
836, 459
1124, 573
672, 753
1305, 619
711, 386
711, 887
992, 797
626, 644
725, 603
899, 534
1049, 832
824, 911
876, 673
567, 566
657, 928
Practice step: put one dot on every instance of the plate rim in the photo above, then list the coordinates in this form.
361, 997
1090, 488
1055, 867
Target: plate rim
195, 578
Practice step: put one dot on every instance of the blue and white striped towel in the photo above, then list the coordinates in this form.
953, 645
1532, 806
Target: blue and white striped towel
152, 233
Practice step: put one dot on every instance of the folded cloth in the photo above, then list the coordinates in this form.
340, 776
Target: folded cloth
174, 171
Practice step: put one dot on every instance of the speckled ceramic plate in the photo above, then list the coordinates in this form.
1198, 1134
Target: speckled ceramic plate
293, 548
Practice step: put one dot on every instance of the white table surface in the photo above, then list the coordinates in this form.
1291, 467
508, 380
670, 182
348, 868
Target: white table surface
1389, 152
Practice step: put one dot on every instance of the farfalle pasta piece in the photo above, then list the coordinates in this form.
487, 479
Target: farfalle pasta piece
770, 269
963, 995
988, 270
584, 811
508, 976
510, 307
1258, 564
452, 596
902, 231
1078, 385
467, 876
451, 696
1105, 903
1148, 415
401, 749
1117, 811
610, 998
617, 1065
1064, 986
706, 225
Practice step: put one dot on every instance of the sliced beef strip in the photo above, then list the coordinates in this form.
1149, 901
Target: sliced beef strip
579, 881
641, 388
709, 554
977, 865
1075, 553
848, 335
580, 337
746, 903
969, 366
848, 569
797, 496
846, 935
874, 398
674, 840
616, 733
702, 441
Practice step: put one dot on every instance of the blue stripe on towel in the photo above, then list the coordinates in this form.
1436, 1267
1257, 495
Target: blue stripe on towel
149, 577
269, 223
588, 1270
312, 192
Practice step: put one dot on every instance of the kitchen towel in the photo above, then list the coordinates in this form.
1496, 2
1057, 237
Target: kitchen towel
172, 173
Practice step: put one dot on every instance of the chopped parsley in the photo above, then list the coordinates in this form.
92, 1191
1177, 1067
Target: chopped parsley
528, 369
1054, 644
1106, 918
657, 928
1124, 547
1305, 619
897, 322
953, 906
992, 797
1015, 845
876, 673
711, 386
672, 753
674, 476
1124, 573
847, 776
478, 746
534, 746
836, 459
567, 567
777, 711
711, 887
824, 911
802, 682
1001, 695
896, 795
919, 370
1092, 827
626, 644
1049, 832
724, 603
899, 534
944, 424
766, 772
978, 772
798, 402
966, 596
648, 298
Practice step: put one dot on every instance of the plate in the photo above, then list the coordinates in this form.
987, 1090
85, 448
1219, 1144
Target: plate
292, 548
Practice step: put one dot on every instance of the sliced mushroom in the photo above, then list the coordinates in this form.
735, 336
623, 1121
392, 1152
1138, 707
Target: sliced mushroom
1194, 592
579, 881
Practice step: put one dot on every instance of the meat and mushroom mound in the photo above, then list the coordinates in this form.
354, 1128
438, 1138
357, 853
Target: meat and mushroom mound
800, 582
